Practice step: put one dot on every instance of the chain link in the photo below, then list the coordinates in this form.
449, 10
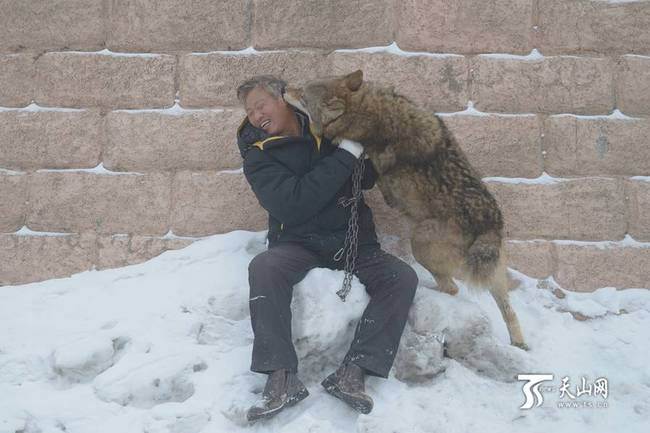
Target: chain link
352, 235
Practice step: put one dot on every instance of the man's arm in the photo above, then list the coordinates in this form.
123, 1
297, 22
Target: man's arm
369, 172
369, 175
294, 199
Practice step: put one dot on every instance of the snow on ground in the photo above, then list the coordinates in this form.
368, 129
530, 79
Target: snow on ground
165, 346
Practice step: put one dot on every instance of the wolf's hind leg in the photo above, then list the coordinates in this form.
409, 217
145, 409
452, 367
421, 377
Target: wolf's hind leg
499, 291
436, 246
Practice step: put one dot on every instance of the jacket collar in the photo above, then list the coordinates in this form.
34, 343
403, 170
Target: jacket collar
249, 136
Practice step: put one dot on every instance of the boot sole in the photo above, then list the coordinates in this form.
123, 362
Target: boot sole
331, 387
291, 401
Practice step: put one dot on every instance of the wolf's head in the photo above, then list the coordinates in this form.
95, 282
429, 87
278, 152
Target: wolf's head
332, 103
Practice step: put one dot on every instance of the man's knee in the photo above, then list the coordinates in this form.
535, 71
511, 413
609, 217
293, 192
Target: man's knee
408, 279
404, 276
260, 273
390, 273
261, 264
273, 269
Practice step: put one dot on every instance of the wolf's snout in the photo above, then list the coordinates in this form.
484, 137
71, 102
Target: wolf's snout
292, 95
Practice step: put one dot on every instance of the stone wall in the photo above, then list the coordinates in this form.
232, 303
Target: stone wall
118, 119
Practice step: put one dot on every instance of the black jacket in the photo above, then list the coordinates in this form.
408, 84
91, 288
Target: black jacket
299, 180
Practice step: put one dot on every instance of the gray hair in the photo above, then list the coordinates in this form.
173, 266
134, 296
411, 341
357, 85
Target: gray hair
272, 84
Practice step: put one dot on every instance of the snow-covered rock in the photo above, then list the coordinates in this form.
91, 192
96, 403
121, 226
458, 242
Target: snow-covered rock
83, 359
144, 380
467, 333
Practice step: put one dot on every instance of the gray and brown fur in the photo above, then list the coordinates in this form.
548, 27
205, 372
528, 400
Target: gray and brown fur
423, 172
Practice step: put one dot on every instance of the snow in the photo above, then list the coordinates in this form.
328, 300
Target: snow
174, 110
164, 346
627, 241
621, 1
101, 170
239, 170
534, 55
98, 169
7, 172
34, 107
396, 50
614, 115
249, 51
637, 55
26, 231
107, 52
170, 235
471, 111
544, 178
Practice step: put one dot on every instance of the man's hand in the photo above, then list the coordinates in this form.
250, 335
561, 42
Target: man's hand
354, 147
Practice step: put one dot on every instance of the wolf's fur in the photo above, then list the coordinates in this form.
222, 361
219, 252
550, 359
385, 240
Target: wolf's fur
423, 172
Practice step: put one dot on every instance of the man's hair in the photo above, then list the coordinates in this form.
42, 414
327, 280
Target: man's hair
272, 84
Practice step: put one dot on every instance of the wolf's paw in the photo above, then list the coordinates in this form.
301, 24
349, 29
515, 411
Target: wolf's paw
522, 346
450, 289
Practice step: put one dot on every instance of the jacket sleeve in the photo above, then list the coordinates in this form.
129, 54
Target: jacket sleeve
294, 199
369, 175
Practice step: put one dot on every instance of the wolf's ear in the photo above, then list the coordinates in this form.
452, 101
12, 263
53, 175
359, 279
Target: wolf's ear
353, 80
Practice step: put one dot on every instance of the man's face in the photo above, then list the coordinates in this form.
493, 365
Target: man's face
266, 112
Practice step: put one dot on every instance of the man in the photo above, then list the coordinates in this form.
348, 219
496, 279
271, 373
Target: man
299, 178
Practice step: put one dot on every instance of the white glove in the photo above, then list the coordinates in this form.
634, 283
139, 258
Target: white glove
355, 148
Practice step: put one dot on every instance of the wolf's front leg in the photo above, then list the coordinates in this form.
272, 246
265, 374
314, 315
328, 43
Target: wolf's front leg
384, 160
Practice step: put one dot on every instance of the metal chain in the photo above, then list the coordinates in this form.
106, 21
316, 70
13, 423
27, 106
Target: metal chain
352, 235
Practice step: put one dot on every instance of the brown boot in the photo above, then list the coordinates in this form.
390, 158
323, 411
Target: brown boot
347, 384
283, 389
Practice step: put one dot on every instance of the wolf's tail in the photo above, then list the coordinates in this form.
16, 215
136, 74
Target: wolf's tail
483, 256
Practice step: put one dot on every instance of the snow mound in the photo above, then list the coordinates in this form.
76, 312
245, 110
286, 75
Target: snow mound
143, 380
85, 358
438, 321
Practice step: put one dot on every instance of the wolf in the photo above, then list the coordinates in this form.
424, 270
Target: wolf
425, 175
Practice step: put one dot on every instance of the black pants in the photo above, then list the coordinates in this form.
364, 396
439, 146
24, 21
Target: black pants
390, 282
